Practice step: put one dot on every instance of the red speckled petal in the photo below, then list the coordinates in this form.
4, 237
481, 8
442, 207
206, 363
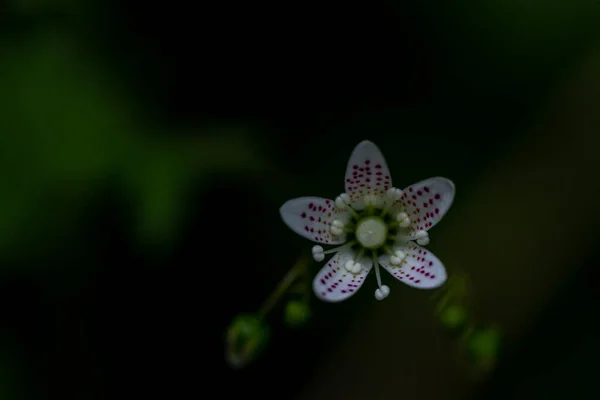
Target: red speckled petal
427, 202
367, 172
420, 269
311, 218
334, 284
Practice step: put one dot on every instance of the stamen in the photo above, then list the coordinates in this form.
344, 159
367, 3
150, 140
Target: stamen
376, 264
383, 291
337, 227
403, 219
396, 256
344, 203
422, 238
400, 238
391, 196
353, 267
318, 253
336, 249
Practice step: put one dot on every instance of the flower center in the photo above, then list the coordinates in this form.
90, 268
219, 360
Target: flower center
371, 232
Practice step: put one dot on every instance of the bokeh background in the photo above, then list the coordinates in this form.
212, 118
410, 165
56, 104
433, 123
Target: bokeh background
146, 148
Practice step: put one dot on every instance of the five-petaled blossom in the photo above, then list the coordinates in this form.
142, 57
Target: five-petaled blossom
376, 224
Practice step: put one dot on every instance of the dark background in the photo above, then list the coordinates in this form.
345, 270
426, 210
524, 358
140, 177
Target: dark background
147, 147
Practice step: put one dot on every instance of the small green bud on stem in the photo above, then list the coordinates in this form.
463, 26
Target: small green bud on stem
453, 318
484, 347
297, 313
246, 338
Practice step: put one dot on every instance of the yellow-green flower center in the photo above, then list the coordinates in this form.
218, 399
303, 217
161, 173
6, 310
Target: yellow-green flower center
371, 232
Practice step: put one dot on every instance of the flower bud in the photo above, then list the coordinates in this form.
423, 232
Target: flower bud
484, 347
454, 318
297, 313
246, 338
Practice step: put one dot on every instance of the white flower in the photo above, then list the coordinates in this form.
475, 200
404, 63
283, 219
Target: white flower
376, 224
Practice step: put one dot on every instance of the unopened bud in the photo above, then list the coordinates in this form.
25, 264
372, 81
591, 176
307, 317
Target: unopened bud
484, 347
454, 318
246, 338
297, 313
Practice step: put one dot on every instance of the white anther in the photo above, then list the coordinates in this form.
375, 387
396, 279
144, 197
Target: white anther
353, 267
337, 223
403, 220
397, 258
349, 265
382, 292
424, 241
337, 227
342, 201
421, 234
422, 238
317, 253
394, 194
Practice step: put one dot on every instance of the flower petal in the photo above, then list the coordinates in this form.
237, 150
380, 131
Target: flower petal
420, 269
334, 283
311, 218
426, 202
367, 172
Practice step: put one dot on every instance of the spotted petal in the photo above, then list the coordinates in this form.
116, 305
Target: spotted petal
311, 218
334, 283
367, 172
420, 269
426, 202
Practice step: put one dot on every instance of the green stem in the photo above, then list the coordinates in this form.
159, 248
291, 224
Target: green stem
442, 303
469, 330
289, 278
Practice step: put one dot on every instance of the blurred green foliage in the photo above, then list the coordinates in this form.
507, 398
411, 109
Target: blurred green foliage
37, 6
67, 127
